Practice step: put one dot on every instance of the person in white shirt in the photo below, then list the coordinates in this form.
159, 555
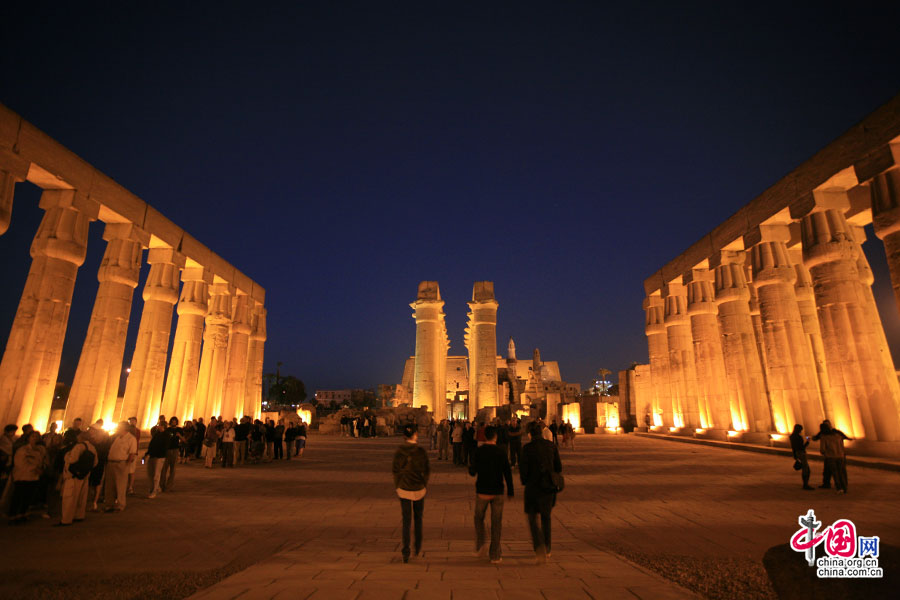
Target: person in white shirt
122, 454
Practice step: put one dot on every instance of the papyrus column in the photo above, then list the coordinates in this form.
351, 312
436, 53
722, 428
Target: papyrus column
863, 404
658, 348
143, 390
30, 364
482, 345
184, 366
749, 409
882, 170
256, 353
793, 385
682, 369
213, 360
12, 170
236, 371
96, 384
431, 334
712, 384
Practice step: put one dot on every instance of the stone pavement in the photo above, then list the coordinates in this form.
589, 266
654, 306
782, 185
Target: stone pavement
331, 522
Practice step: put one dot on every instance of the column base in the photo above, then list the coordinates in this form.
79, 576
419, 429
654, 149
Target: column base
873, 448
711, 434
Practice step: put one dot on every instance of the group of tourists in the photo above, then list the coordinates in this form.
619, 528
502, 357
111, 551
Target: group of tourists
66, 475
831, 446
489, 461
360, 426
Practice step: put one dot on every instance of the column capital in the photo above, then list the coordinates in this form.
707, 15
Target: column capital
259, 323
771, 263
827, 237
165, 256
731, 283
241, 321
63, 231
701, 297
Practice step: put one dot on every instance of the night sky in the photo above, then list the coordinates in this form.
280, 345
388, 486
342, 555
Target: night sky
339, 153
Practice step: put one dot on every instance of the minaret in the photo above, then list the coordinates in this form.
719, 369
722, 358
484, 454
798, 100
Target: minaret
481, 341
430, 378
511, 350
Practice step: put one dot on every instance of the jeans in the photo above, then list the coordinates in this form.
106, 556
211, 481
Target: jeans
496, 504
167, 477
804, 470
227, 454
838, 469
154, 470
240, 451
408, 508
457, 453
540, 535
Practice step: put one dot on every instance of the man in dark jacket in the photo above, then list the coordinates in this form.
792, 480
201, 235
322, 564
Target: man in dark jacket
539, 457
491, 465
798, 447
411, 471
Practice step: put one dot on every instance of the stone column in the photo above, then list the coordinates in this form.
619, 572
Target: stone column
95, 388
715, 411
213, 360
882, 171
143, 390
793, 385
750, 409
658, 347
30, 364
236, 371
253, 380
482, 346
12, 170
184, 366
428, 388
682, 369
862, 393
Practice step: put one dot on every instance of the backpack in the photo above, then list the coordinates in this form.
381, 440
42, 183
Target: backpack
82, 467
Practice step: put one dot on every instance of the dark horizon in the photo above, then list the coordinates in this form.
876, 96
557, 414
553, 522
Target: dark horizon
338, 155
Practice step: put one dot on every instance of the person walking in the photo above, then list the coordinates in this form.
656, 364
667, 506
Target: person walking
832, 445
301, 438
241, 438
443, 435
156, 458
457, 438
174, 436
209, 442
411, 471
798, 447
290, 439
515, 441
122, 452
491, 466
539, 457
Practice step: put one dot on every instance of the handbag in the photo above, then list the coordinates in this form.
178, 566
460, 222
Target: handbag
798, 464
559, 482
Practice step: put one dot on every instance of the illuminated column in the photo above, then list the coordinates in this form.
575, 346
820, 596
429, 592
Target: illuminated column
253, 380
236, 371
481, 341
184, 366
429, 389
213, 360
144, 387
712, 387
30, 364
862, 393
96, 384
750, 408
682, 367
883, 173
12, 170
658, 347
793, 385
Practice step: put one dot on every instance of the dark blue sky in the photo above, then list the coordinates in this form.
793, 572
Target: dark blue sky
338, 153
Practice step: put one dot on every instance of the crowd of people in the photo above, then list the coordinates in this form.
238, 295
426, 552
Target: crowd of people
66, 475
831, 446
489, 460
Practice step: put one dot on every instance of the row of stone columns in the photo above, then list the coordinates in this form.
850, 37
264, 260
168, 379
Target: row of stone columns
781, 326
216, 362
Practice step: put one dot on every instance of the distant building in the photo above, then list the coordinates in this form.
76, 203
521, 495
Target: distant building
333, 397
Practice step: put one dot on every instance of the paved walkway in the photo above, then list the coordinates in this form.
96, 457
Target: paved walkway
328, 526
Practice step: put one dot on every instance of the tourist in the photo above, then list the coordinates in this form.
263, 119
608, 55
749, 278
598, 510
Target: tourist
554, 431
132, 466
241, 438
185, 443
443, 435
502, 437
156, 455
301, 438
469, 443
209, 442
270, 440
6, 452
173, 434
28, 465
411, 470
122, 452
479, 433
432, 434
515, 441
373, 426
22, 439
100, 440
257, 441
457, 439
832, 447
78, 463
491, 465
70, 437
798, 447
290, 437
199, 436
228, 445
279, 441
52, 441
539, 457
